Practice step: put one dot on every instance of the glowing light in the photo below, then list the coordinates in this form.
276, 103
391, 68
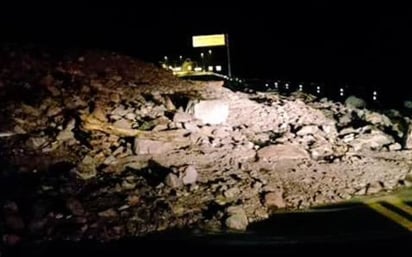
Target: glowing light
300, 87
198, 69
374, 98
266, 85
276, 85
202, 55
287, 86
375, 93
210, 68
180, 57
165, 58
218, 68
210, 51
189, 67
318, 89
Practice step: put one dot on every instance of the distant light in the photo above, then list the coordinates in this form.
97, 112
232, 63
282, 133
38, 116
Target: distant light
210, 68
374, 98
375, 93
218, 68
240, 81
198, 69
318, 89
177, 69
341, 94
202, 55
300, 87
171, 67
266, 85
189, 67
165, 58
210, 51
287, 86
180, 57
276, 85
341, 90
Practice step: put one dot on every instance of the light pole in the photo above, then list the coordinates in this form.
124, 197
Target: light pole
229, 68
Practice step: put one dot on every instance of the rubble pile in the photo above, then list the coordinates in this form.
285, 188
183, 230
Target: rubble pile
96, 145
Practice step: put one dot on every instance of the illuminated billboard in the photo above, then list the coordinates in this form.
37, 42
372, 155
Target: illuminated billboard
208, 40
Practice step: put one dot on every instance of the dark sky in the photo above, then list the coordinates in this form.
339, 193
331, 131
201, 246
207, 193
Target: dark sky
310, 42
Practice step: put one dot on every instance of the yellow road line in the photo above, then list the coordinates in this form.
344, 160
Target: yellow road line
404, 222
397, 202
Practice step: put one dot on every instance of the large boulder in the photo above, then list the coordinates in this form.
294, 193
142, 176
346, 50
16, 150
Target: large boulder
211, 111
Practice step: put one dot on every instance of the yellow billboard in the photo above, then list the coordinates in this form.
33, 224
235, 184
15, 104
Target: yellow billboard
209, 40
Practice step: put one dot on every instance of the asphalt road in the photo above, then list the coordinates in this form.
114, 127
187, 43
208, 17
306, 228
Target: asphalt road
380, 224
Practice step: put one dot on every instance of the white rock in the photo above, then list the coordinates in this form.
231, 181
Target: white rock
190, 175
211, 111
308, 130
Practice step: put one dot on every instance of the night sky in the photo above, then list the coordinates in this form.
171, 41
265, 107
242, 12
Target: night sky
301, 43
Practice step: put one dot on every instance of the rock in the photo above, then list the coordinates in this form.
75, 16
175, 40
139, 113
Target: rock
232, 193
355, 102
190, 175
120, 111
282, 152
122, 123
130, 116
86, 169
53, 110
114, 97
308, 130
36, 142
109, 213
173, 181
146, 146
67, 133
127, 185
237, 218
169, 104
182, 117
395, 147
160, 127
321, 152
211, 111
110, 160
377, 119
408, 139
133, 200
374, 141
14, 222
190, 127
221, 132
274, 200
19, 130
75, 206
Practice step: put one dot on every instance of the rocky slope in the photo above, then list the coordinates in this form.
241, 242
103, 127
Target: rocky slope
96, 145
